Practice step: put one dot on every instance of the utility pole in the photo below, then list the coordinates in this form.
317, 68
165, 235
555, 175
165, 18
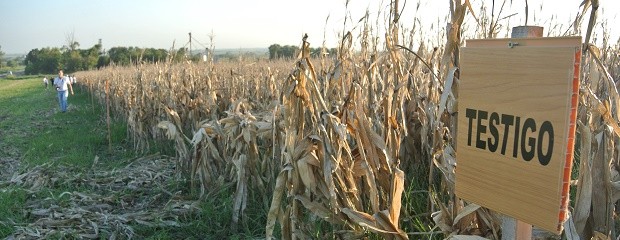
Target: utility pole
190, 45
101, 51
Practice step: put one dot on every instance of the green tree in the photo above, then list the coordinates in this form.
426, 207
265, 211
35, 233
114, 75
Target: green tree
11, 63
103, 60
71, 61
288, 51
90, 57
127, 55
119, 55
179, 55
153, 55
135, 54
1, 56
316, 52
46, 60
274, 51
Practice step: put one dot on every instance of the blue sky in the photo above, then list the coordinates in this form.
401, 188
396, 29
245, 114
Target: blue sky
29, 24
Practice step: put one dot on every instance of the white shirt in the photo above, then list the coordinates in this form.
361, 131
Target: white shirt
61, 83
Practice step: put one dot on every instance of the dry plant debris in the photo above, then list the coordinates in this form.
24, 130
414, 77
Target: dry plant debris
105, 204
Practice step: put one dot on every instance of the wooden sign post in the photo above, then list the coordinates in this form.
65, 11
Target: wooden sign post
517, 112
513, 229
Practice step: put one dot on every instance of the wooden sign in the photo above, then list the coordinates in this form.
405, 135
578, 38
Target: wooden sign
516, 126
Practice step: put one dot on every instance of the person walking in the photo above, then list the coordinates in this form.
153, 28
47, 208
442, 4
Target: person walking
62, 86
45, 82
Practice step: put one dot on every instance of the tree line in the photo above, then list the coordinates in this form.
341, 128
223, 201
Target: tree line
276, 51
71, 59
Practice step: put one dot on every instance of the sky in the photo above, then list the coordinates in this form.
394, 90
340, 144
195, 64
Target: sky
235, 24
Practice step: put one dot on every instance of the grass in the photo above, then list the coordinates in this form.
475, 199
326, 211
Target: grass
42, 133
6, 69
33, 133
10, 200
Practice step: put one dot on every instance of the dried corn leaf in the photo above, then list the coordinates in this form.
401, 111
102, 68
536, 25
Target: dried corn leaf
360, 218
605, 112
467, 210
465, 237
198, 136
174, 115
318, 209
276, 202
398, 186
447, 90
171, 130
615, 186
385, 223
600, 236
306, 172
442, 220
570, 230
583, 198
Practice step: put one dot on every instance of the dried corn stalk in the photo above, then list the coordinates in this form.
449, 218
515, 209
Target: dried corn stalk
336, 167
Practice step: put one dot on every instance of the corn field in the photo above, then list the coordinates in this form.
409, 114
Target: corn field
359, 144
